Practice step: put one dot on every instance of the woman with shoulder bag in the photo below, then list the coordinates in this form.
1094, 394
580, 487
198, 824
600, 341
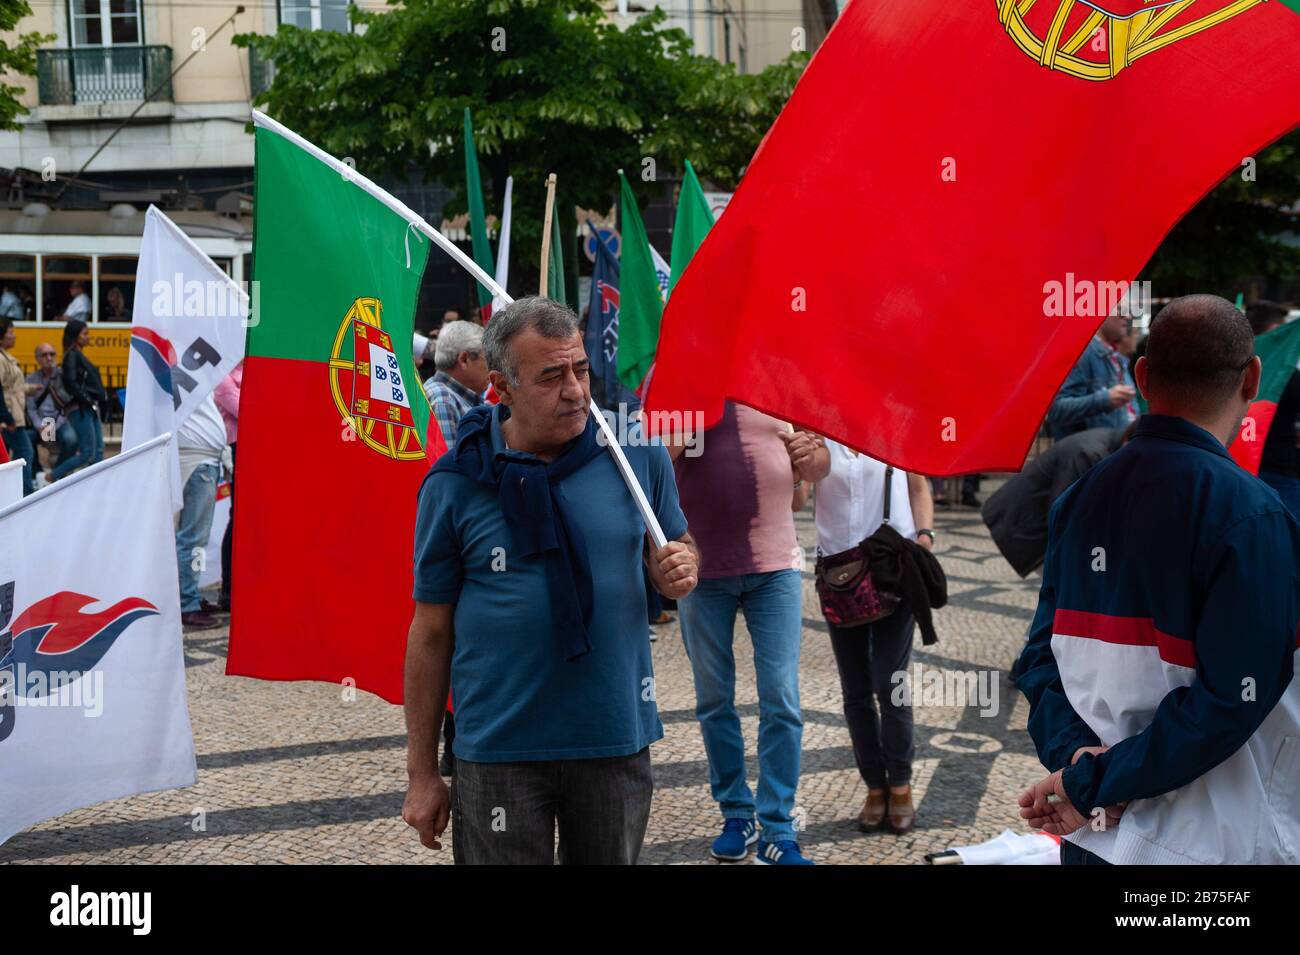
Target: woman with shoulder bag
871, 627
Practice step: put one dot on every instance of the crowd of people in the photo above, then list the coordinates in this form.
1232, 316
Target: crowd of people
58, 407
1169, 585
1133, 668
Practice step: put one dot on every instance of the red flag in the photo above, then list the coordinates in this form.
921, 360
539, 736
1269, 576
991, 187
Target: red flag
935, 225
1278, 351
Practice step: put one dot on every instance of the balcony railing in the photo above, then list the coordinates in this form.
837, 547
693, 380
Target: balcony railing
108, 74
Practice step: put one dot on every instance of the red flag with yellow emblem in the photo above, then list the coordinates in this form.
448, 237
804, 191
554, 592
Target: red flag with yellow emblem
950, 204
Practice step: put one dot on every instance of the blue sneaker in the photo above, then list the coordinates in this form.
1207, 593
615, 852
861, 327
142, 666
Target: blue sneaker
785, 852
737, 836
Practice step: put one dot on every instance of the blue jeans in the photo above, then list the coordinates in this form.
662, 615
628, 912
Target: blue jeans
19, 443
773, 609
90, 442
198, 501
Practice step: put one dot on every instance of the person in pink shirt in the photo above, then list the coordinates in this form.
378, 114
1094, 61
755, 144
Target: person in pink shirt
227, 398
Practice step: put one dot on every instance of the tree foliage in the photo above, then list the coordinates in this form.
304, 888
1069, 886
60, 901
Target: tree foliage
554, 86
1237, 233
18, 56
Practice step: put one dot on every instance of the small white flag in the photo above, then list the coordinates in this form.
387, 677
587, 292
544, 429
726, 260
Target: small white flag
187, 333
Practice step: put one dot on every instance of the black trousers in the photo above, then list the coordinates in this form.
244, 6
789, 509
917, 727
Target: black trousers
1076, 855
868, 657
507, 813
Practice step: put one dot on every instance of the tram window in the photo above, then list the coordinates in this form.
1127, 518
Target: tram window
116, 287
18, 287
66, 286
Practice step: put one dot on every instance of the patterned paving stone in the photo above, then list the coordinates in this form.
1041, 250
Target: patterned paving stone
300, 773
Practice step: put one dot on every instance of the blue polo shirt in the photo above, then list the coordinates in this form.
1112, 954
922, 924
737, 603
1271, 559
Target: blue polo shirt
517, 698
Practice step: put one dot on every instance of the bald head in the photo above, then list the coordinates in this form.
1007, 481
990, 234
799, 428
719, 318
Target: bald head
1198, 355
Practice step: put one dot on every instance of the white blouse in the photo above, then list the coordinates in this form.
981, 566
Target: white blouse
850, 501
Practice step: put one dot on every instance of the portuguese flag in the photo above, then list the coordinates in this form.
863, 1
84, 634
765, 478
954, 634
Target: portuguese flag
942, 171
332, 428
1278, 351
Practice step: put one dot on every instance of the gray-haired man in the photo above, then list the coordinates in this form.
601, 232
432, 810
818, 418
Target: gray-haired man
461, 378
529, 548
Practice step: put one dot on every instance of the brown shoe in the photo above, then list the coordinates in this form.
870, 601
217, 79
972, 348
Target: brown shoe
902, 815
872, 816
198, 620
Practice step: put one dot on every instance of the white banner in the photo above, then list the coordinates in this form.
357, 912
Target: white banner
187, 333
11, 482
503, 247
92, 674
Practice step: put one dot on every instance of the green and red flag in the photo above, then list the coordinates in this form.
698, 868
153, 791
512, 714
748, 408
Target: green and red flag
693, 222
640, 302
1278, 351
334, 429
478, 233
941, 173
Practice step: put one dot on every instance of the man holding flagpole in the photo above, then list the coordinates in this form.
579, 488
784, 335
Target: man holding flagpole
528, 548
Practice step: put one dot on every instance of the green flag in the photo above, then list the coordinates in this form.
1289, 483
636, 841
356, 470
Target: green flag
477, 216
694, 219
555, 263
640, 304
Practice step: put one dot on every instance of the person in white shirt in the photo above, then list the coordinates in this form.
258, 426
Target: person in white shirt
200, 440
850, 499
79, 307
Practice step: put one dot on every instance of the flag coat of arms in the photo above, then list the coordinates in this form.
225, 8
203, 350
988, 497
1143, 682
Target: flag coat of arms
334, 428
187, 333
92, 671
962, 162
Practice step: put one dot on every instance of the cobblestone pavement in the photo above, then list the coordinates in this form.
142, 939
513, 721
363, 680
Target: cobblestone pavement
288, 772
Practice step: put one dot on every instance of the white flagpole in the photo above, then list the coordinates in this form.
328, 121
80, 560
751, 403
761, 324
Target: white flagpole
465, 262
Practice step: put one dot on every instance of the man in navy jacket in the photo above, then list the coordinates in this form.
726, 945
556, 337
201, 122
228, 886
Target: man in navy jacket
1159, 665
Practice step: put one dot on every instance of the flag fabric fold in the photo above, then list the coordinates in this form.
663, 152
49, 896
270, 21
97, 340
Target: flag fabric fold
1278, 351
691, 225
640, 297
92, 672
961, 165
503, 246
477, 211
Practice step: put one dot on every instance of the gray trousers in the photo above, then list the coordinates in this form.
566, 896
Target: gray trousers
507, 813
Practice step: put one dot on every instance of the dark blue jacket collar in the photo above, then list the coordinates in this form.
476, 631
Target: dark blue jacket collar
1179, 429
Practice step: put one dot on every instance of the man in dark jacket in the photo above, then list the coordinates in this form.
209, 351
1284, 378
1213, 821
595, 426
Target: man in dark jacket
1161, 661
1017, 514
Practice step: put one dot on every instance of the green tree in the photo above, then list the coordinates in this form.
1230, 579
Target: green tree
1236, 234
554, 87
18, 56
